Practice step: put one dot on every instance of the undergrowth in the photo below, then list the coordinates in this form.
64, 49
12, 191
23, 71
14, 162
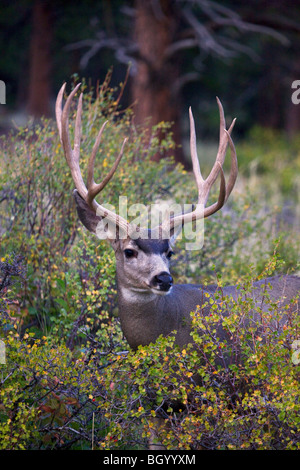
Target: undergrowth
68, 380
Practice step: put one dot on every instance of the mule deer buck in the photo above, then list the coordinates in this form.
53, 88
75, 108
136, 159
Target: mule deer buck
149, 303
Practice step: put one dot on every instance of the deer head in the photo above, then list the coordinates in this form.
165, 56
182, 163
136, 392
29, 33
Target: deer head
142, 259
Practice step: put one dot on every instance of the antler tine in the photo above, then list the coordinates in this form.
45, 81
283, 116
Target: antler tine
62, 118
204, 185
77, 133
58, 108
221, 199
225, 190
90, 173
234, 164
93, 188
194, 155
72, 156
223, 142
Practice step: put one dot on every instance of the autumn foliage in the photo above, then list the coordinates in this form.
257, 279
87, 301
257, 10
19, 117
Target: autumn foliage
69, 381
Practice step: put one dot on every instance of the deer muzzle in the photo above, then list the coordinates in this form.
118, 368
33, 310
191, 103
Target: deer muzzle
162, 281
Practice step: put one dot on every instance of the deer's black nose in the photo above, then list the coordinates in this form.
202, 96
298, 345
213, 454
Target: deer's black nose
163, 280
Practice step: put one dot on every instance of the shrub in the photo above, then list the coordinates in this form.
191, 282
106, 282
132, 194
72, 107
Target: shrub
69, 381
246, 395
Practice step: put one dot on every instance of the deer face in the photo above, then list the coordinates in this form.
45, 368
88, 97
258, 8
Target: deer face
143, 265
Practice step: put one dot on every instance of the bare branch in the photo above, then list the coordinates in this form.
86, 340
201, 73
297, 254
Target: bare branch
205, 39
183, 80
224, 16
207, 31
179, 45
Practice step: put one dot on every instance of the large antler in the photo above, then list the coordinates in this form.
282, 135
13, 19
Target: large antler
204, 185
89, 192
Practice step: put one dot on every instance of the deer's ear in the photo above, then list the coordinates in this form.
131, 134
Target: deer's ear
92, 222
86, 215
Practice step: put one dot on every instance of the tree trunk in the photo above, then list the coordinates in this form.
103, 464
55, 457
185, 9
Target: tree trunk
40, 60
152, 83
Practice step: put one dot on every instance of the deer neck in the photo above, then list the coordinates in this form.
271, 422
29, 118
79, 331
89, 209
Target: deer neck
145, 315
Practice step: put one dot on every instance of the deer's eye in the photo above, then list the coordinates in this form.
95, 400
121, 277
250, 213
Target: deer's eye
130, 253
170, 254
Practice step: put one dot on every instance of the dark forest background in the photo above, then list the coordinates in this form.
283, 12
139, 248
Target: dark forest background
181, 53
